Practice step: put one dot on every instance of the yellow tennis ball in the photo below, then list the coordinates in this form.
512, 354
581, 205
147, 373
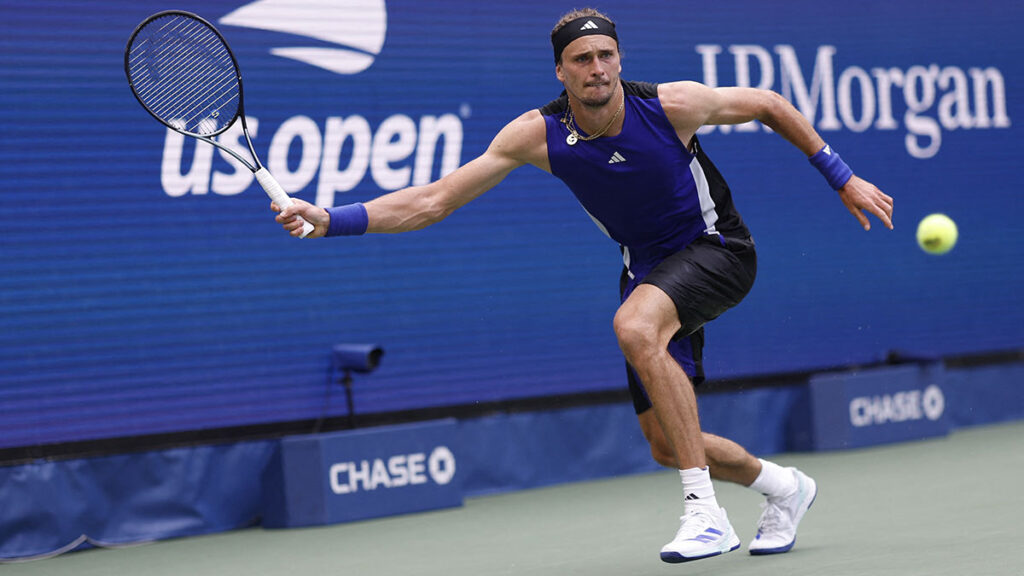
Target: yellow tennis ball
937, 234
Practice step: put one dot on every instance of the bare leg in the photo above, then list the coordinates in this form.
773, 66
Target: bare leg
727, 460
644, 324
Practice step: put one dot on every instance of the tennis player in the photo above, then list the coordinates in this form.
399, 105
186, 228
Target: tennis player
630, 154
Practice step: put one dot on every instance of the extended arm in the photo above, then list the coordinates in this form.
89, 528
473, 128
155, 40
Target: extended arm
420, 206
520, 142
690, 105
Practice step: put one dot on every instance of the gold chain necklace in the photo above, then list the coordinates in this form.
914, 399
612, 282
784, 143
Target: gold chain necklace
570, 122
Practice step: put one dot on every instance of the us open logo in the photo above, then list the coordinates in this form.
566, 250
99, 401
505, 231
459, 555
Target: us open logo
397, 471
353, 31
336, 153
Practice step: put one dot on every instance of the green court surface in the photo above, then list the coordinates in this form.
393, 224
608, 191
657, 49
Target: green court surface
945, 506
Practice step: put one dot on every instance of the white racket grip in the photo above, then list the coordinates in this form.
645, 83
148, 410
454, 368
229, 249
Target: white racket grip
278, 195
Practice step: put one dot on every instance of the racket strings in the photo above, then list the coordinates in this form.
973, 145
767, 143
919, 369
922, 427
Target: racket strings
196, 80
179, 59
189, 55
181, 70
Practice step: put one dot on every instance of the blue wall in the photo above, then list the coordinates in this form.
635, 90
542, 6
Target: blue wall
146, 288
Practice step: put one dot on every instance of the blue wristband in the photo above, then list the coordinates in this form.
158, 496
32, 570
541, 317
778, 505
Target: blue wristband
347, 220
832, 167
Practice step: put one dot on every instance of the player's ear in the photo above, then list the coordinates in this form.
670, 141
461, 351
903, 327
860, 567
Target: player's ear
558, 72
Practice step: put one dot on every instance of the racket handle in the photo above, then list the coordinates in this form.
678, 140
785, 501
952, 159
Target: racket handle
279, 196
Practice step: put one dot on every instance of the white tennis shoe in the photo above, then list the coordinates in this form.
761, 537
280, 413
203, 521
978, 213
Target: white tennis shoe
776, 530
704, 531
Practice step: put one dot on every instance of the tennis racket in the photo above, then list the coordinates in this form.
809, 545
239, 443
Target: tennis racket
182, 71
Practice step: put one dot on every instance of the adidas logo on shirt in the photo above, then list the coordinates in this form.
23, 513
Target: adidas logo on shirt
589, 25
616, 158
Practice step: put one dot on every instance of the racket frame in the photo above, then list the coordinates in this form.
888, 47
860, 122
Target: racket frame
265, 179
255, 165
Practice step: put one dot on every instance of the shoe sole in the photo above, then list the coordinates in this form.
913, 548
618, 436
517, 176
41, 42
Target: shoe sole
787, 547
677, 558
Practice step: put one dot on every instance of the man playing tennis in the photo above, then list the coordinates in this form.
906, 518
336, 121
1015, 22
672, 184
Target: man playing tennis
630, 154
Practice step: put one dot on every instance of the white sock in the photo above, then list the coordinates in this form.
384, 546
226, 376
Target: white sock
697, 487
774, 480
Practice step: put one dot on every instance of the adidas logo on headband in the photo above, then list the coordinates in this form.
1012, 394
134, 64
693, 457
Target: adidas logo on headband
582, 26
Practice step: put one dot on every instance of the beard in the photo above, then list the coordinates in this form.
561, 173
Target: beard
597, 102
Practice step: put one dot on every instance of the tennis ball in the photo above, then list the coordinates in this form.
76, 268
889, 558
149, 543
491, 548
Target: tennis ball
937, 234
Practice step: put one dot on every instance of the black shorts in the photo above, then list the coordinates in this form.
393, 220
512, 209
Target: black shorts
711, 275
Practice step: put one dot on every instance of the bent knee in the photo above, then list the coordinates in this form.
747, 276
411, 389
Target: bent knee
636, 335
646, 322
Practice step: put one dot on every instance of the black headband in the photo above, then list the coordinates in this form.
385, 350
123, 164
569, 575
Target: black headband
578, 28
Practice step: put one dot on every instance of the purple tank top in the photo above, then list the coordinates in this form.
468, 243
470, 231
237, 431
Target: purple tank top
642, 187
